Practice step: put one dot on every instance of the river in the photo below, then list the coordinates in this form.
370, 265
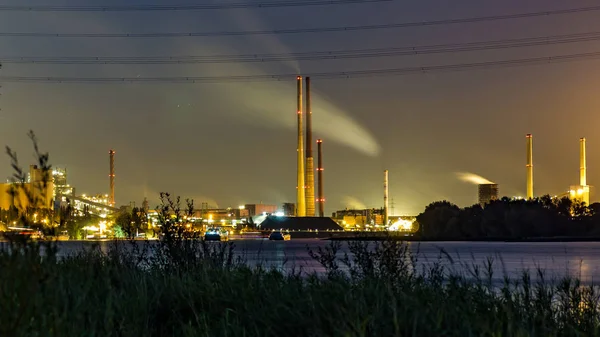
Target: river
557, 259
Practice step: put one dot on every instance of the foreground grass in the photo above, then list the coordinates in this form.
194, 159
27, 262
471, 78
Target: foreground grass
194, 289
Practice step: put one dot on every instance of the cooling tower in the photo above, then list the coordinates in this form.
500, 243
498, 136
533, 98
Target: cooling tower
300, 187
310, 167
487, 193
529, 166
321, 198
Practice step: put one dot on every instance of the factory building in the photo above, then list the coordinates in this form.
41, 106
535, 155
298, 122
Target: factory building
258, 209
487, 193
61, 185
360, 218
34, 193
209, 216
289, 209
299, 224
581, 192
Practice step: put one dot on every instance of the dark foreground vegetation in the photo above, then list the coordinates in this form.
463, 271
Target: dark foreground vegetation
509, 219
188, 287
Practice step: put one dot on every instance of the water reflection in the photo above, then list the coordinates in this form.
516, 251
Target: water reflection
574, 259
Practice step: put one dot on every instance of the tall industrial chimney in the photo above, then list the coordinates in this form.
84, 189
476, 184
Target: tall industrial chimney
112, 177
310, 166
321, 198
300, 187
385, 198
582, 164
529, 166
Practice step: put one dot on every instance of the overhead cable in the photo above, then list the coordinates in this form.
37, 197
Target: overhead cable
308, 30
309, 56
321, 75
196, 7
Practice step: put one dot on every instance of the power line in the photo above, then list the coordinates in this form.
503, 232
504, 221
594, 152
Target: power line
322, 75
138, 8
322, 55
307, 30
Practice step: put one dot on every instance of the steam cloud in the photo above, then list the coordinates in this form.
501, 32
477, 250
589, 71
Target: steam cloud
353, 203
275, 105
472, 178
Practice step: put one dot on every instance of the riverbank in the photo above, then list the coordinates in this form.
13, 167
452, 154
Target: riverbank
410, 238
195, 288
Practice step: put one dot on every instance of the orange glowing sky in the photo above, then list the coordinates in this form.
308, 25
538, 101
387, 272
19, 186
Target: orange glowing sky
230, 144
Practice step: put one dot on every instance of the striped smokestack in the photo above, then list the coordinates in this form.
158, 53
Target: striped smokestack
300, 198
321, 198
310, 166
529, 166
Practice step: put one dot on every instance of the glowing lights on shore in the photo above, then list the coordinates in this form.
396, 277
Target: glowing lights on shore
402, 225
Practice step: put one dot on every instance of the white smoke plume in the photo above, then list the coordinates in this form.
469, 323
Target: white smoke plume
472, 178
353, 203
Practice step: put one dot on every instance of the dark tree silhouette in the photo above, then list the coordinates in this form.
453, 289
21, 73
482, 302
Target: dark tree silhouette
510, 219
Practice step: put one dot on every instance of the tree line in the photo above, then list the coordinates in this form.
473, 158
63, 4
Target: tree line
542, 217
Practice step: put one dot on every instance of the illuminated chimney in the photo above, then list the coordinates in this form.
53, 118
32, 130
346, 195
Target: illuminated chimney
310, 166
582, 164
321, 198
529, 166
385, 198
112, 177
300, 187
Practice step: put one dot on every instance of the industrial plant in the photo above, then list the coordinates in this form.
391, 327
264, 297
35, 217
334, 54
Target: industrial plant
488, 191
580, 192
306, 214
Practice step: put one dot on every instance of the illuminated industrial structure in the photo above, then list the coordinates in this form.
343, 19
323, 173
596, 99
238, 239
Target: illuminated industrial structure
61, 185
487, 193
256, 209
529, 166
36, 192
310, 168
360, 218
112, 178
321, 197
208, 217
299, 224
91, 204
300, 185
581, 192
385, 198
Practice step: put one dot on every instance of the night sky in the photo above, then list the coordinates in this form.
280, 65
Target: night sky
230, 144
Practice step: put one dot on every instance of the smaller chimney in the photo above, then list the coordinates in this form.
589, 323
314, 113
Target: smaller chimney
385, 198
321, 197
529, 166
112, 178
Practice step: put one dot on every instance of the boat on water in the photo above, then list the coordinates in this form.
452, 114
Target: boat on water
280, 236
215, 234
23, 233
